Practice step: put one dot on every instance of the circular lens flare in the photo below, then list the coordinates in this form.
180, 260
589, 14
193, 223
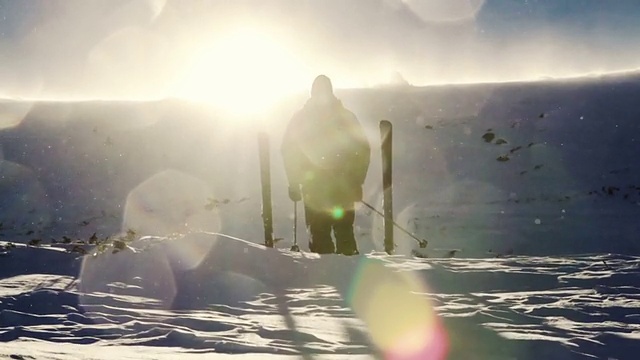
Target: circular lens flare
13, 112
172, 202
337, 213
403, 324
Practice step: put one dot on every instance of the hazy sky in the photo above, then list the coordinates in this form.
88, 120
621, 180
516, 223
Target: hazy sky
150, 48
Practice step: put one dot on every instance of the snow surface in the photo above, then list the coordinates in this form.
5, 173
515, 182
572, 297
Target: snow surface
528, 194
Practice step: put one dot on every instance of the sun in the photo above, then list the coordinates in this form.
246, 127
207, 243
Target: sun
244, 72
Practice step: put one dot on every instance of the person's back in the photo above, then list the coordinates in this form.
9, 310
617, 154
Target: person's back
326, 155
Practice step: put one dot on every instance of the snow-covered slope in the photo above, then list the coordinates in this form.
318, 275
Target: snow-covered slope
253, 302
511, 183
529, 168
536, 168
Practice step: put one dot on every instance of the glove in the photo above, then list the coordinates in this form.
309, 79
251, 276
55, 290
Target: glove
294, 193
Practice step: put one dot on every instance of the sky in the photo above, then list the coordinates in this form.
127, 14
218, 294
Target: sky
139, 49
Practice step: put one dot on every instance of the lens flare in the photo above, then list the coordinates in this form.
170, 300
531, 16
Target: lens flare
172, 202
147, 275
123, 63
402, 323
442, 11
24, 199
12, 113
337, 213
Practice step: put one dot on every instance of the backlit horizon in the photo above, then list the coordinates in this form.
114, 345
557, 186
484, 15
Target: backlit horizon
249, 54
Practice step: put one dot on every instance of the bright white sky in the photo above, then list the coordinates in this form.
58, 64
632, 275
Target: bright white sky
235, 53
246, 70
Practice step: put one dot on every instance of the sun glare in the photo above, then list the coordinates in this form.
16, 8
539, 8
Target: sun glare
243, 73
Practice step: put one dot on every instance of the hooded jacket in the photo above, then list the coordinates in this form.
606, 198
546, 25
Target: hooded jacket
325, 148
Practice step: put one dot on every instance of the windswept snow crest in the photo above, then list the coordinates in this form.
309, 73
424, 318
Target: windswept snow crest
285, 304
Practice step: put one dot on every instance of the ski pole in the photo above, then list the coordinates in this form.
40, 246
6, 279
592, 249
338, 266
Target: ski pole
421, 242
295, 246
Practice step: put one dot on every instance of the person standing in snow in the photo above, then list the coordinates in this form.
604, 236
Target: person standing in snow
326, 156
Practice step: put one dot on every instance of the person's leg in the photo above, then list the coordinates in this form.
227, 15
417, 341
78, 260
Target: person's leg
343, 231
319, 226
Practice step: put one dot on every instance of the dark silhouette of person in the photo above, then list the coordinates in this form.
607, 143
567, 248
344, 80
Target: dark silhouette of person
326, 156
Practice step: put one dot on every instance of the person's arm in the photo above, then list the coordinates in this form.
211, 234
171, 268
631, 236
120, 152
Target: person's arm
292, 154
